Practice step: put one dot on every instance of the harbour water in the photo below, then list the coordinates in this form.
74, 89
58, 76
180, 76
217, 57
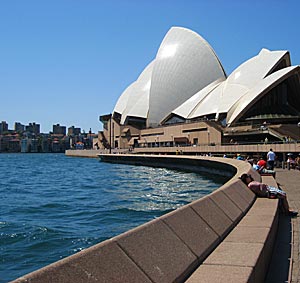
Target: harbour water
53, 206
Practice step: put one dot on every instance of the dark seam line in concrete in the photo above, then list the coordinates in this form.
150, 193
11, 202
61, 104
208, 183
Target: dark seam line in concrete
224, 211
190, 268
242, 196
222, 264
181, 240
248, 208
135, 263
219, 236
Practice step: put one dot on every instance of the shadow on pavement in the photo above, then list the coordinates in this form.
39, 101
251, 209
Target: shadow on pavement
280, 262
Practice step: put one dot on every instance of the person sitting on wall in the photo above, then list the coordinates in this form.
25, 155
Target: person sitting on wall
262, 163
239, 157
262, 170
266, 191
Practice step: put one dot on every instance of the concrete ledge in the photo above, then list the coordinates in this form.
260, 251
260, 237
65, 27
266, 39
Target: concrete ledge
193, 231
214, 216
171, 248
158, 251
247, 250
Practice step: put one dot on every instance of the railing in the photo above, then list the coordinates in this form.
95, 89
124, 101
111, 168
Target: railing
279, 147
220, 144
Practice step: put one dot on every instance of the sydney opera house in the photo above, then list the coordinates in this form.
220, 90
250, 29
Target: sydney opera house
184, 97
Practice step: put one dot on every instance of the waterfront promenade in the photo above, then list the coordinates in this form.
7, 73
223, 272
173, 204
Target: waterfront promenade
216, 150
285, 263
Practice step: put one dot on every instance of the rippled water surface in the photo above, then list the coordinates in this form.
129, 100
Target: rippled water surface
53, 206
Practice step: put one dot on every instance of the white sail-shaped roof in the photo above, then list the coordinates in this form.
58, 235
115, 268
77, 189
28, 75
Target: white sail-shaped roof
221, 98
137, 104
187, 79
188, 109
185, 64
123, 99
246, 76
258, 90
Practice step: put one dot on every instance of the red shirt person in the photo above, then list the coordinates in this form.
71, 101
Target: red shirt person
262, 163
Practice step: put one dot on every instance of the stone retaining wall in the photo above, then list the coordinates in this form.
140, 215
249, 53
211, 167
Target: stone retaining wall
170, 248
244, 255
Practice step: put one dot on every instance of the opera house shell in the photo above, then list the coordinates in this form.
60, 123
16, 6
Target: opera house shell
186, 82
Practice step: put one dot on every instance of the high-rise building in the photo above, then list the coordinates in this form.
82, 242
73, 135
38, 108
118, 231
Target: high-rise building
72, 131
59, 130
33, 128
3, 127
19, 127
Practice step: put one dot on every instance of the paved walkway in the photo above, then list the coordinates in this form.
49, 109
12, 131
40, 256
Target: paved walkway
286, 252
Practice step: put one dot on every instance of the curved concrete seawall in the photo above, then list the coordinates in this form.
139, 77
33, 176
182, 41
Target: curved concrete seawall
181, 243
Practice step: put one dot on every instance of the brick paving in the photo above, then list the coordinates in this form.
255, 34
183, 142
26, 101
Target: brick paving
289, 180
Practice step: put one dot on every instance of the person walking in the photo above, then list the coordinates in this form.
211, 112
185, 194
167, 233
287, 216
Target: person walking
271, 159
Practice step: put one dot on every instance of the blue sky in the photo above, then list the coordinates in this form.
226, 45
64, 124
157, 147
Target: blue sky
68, 61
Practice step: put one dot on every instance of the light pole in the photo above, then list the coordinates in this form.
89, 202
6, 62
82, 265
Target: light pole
110, 133
208, 136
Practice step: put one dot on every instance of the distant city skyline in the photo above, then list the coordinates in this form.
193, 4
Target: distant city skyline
68, 61
17, 126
